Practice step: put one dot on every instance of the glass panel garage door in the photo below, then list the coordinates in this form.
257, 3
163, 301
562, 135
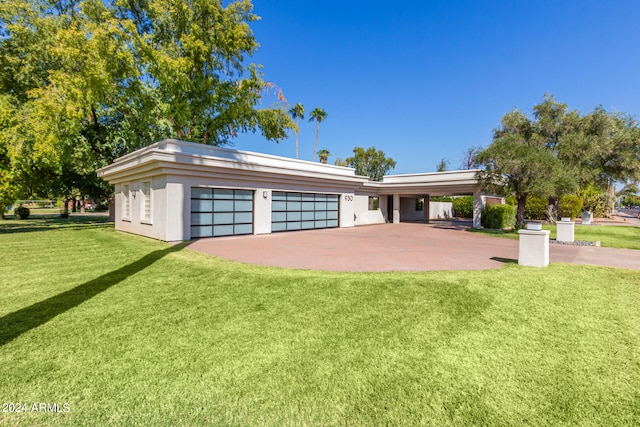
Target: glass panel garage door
221, 212
303, 211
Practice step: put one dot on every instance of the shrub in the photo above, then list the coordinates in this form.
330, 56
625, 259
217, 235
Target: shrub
569, 206
594, 201
22, 212
441, 199
463, 206
499, 216
536, 207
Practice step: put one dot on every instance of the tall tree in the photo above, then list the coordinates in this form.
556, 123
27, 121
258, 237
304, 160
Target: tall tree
318, 115
518, 160
85, 81
370, 162
469, 158
561, 150
297, 112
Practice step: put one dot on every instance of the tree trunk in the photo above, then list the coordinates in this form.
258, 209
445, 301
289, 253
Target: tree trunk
552, 210
112, 209
315, 143
522, 202
297, 132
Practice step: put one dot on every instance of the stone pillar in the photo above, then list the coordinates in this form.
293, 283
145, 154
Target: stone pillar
396, 209
425, 209
533, 248
565, 231
477, 209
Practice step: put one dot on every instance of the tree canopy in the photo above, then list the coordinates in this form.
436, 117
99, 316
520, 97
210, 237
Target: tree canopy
559, 151
370, 162
85, 81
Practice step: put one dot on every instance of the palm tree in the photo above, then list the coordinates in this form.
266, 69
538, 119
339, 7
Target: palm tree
318, 114
323, 155
297, 112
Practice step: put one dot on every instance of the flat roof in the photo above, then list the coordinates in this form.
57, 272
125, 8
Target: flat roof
175, 157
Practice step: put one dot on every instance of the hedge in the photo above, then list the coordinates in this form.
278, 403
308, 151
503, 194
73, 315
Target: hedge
463, 206
498, 216
569, 206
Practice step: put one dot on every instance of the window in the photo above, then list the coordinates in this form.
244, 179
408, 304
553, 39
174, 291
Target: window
146, 200
126, 204
374, 203
419, 204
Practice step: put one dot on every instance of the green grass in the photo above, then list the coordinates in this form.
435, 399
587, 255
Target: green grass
611, 236
131, 331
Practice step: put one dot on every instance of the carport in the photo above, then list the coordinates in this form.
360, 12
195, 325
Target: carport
393, 188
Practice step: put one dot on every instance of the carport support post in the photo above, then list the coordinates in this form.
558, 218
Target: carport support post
477, 210
396, 209
425, 208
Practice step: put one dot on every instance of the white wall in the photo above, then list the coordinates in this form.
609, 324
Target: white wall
156, 227
437, 210
440, 210
262, 211
363, 215
408, 210
347, 210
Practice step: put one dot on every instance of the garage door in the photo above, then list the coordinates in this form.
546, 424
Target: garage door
303, 211
221, 212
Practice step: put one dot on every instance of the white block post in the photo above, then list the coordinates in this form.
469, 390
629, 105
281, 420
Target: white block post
477, 210
565, 231
396, 209
534, 248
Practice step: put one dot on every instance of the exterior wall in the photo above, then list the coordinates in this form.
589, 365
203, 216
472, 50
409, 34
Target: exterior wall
384, 209
347, 210
157, 225
437, 210
178, 211
408, 210
440, 210
262, 211
363, 216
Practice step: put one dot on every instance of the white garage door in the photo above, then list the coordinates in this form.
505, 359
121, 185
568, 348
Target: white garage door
221, 212
303, 211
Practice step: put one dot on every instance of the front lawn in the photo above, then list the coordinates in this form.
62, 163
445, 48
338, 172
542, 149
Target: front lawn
611, 236
131, 331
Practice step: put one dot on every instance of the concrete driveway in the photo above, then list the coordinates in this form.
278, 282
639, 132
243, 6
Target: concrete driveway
395, 247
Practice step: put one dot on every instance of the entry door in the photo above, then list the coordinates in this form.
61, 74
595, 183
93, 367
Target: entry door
390, 208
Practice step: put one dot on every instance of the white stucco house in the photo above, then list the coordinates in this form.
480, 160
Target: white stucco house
175, 190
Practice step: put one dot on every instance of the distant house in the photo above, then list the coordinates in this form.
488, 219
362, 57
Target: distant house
175, 190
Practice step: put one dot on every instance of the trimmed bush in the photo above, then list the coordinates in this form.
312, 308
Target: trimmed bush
22, 212
499, 216
569, 206
536, 208
463, 207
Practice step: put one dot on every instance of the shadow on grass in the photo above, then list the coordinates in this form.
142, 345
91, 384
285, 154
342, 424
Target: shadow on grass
17, 323
11, 226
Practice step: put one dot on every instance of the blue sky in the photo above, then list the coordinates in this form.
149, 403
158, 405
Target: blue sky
425, 80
